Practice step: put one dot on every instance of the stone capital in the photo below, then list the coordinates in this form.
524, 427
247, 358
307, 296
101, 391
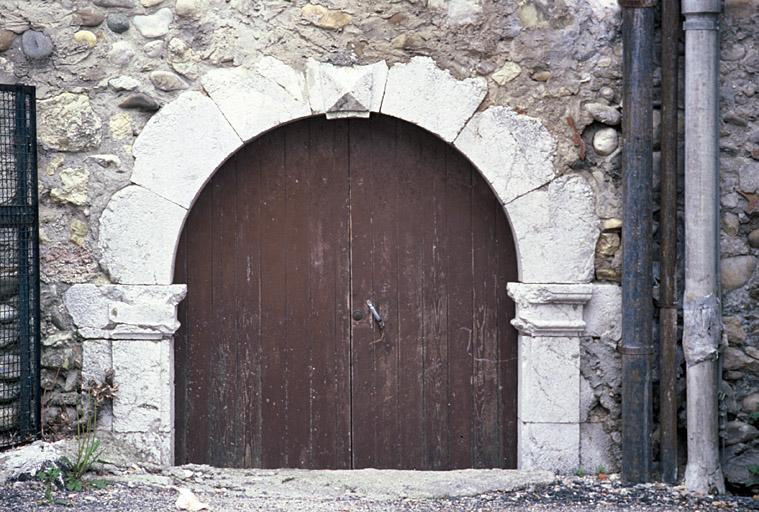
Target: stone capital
550, 310
142, 312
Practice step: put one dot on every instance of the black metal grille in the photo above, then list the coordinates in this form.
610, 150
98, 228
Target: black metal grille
19, 268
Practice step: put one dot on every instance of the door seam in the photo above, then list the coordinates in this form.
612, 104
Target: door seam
351, 436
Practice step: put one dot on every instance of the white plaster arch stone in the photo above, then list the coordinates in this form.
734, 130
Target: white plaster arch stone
552, 218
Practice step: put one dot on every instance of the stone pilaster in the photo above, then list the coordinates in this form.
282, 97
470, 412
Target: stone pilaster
550, 321
129, 328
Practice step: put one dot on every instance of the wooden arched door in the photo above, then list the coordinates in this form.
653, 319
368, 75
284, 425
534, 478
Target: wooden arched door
280, 363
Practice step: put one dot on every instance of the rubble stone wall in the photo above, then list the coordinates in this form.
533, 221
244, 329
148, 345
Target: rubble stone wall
739, 245
104, 67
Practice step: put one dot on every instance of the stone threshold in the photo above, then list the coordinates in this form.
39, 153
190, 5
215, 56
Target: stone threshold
366, 484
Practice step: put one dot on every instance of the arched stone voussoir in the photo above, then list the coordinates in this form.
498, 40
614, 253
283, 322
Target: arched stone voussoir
423, 94
514, 152
181, 147
256, 100
139, 232
555, 229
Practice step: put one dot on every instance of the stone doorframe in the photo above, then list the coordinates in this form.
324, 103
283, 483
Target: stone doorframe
129, 325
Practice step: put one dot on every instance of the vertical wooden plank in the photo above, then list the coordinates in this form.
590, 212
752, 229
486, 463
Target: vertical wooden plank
299, 341
364, 332
198, 312
487, 437
411, 219
342, 297
435, 304
181, 358
328, 308
274, 243
319, 309
458, 262
384, 256
248, 304
223, 421
506, 270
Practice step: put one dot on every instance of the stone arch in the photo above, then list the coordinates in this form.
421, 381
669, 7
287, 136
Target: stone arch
513, 152
552, 218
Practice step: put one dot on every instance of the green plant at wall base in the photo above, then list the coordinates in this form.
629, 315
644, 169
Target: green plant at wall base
69, 473
601, 470
580, 472
89, 448
754, 472
48, 478
98, 483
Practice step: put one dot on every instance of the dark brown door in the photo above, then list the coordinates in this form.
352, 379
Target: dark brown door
279, 362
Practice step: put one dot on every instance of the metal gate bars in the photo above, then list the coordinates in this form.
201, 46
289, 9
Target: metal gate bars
19, 267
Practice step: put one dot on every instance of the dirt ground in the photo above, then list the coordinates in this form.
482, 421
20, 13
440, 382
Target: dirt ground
368, 490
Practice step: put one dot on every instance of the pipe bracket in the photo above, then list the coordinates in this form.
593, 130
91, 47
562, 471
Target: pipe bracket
702, 327
701, 23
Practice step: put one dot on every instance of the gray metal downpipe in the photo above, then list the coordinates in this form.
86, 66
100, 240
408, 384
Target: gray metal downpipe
637, 303
701, 302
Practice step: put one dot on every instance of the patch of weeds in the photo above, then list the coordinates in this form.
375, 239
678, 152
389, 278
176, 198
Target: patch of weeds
87, 453
580, 472
88, 447
754, 470
73, 484
98, 483
50, 478
601, 472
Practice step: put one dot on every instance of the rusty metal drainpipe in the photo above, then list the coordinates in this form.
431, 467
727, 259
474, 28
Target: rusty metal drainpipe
637, 302
668, 242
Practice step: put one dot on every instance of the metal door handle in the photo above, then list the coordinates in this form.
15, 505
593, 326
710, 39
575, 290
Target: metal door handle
375, 314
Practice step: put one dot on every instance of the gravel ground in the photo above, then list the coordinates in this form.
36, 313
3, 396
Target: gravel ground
149, 493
